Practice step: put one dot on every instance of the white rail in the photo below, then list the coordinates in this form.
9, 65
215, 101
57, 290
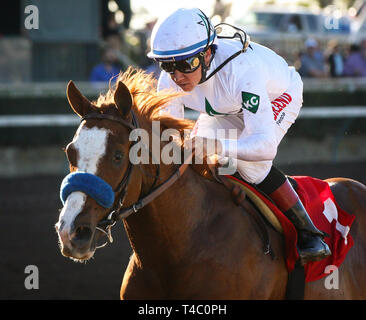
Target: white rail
57, 89
61, 120
333, 112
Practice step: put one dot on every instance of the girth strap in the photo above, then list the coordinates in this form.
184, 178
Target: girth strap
239, 199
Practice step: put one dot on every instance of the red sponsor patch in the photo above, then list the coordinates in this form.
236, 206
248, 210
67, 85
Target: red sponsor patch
280, 103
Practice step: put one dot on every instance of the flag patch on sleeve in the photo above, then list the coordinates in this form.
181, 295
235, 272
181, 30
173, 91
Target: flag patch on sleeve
250, 101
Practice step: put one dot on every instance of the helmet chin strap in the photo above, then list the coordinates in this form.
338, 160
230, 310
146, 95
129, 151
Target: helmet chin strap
204, 67
238, 34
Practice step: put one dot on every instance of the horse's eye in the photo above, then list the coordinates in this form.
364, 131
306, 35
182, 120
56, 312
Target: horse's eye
117, 156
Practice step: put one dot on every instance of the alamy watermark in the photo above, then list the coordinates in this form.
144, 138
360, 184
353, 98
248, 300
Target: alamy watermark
31, 281
31, 20
167, 147
331, 282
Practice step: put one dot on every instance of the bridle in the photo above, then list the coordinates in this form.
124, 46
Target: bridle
119, 211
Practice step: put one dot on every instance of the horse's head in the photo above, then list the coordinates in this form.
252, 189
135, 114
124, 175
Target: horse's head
98, 157
105, 184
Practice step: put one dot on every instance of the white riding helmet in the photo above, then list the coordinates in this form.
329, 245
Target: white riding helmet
183, 33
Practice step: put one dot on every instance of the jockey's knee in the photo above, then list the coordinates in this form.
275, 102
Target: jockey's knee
274, 179
254, 172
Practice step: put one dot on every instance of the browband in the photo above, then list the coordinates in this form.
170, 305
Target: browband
112, 118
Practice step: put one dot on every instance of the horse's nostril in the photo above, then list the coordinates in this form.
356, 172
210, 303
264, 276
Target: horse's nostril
83, 232
81, 236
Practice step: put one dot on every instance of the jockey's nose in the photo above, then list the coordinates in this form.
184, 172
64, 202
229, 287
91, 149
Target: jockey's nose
178, 75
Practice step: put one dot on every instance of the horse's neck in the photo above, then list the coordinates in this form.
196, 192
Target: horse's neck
185, 222
163, 229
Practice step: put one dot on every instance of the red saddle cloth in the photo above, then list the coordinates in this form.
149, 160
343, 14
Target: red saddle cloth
326, 215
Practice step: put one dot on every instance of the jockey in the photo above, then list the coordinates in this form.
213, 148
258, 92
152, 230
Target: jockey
237, 85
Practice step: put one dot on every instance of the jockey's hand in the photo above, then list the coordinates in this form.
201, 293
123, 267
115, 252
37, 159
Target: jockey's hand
205, 149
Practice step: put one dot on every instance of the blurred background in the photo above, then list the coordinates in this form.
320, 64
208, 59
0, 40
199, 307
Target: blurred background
44, 44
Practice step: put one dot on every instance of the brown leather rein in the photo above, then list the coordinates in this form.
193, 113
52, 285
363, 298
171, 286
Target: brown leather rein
120, 212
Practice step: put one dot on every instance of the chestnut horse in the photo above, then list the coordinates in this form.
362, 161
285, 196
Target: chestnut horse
191, 241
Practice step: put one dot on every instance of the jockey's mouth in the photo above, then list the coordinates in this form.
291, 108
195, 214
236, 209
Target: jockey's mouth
186, 86
183, 84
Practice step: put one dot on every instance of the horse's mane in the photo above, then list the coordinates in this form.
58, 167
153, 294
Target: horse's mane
147, 102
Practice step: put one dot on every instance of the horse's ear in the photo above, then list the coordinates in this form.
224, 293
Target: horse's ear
80, 104
123, 99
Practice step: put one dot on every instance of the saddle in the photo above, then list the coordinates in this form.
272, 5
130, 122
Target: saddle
245, 195
322, 208
241, 190
318, 201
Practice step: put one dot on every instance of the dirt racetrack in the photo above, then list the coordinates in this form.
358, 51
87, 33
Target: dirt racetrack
28, 212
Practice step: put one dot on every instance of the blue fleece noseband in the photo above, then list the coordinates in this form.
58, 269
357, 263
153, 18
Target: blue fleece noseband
91, 185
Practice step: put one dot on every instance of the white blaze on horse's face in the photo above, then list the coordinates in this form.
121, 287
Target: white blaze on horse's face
73, 206
90, 145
